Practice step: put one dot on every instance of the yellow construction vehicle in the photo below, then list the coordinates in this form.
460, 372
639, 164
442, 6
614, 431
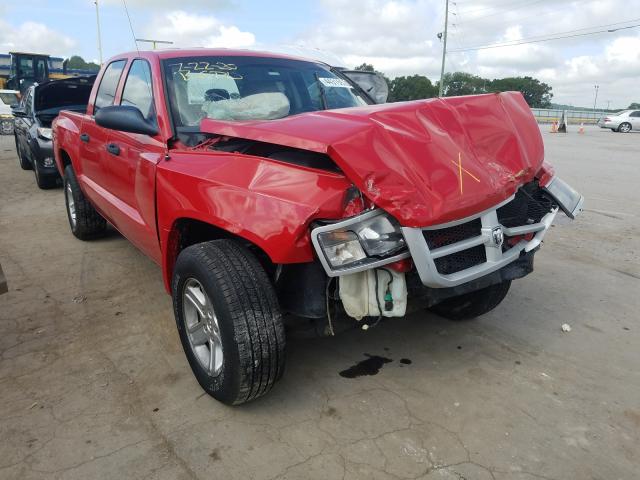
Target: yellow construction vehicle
20, 70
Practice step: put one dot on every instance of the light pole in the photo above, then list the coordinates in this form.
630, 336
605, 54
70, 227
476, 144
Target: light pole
99, 36
444, 47
595, 100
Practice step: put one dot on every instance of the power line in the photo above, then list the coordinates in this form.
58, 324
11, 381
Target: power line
559, 37
492, 7
546, 11
536, 37
500, 11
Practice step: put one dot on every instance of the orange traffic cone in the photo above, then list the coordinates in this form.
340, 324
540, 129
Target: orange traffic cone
554, 127
581, 129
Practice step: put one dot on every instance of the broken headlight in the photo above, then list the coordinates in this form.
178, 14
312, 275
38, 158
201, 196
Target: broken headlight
568, 199
359, 243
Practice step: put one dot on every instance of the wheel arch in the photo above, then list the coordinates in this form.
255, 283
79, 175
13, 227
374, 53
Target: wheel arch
62, 160
187, 231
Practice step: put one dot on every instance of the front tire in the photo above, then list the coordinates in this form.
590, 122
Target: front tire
85, 222
473, 304
624, 127
229, 321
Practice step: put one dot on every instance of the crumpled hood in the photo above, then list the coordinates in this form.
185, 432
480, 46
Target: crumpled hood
425, 162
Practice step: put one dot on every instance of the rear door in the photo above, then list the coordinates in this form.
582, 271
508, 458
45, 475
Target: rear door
93, 139
131, 161
634, 118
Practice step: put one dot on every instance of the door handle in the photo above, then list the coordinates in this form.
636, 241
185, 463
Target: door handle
113, 149
84, 137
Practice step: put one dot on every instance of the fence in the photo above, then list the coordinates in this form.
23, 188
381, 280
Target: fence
575, 117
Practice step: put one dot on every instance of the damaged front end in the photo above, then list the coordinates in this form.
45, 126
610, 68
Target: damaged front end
450, 259
456, 198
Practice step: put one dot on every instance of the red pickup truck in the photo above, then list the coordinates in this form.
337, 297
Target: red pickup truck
266, 185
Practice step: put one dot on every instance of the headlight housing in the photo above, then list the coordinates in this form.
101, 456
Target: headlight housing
365, 241
568, 199
44, 133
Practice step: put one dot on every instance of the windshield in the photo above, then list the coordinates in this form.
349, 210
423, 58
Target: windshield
9, 98
252, 88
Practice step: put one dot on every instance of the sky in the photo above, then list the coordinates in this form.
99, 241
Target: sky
399, 37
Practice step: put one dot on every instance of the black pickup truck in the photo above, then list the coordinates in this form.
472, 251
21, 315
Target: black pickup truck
40, 105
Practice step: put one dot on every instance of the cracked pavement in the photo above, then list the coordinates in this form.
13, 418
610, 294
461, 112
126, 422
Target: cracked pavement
94, 383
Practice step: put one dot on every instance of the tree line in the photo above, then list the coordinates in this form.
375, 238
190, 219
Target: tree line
414, 87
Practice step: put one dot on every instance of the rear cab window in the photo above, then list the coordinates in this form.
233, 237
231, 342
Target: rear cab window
108, 85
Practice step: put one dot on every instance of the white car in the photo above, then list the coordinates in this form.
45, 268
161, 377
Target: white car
624, 121
7, 98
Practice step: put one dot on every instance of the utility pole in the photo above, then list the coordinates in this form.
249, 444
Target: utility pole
608, 104
99, 36
595, 100
153, 42
444, 46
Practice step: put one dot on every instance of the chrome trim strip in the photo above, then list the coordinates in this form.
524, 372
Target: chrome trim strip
513, 231
453, 223
458, 246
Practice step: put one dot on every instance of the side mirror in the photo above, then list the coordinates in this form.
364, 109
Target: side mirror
372, 83
125, 119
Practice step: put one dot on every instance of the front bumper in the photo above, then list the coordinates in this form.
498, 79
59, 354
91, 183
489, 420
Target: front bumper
459, 252
42, 154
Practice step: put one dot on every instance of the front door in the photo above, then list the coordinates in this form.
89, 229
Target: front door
93, 170
635, 119
131, 163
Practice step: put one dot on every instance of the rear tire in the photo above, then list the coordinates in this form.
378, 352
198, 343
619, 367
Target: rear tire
25, 164
624, 127
237, 309
85, 222
473, 304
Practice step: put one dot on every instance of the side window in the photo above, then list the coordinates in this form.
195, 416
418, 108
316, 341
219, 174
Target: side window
108, 85
635, 114
138, 90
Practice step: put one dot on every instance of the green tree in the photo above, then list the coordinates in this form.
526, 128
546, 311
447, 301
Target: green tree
462, 83
634, 106
414, 87
536, 93
76, 62
365, 67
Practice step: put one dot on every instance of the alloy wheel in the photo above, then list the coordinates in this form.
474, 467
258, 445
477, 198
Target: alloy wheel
202, 328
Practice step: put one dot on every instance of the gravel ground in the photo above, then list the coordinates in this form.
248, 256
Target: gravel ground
94, 383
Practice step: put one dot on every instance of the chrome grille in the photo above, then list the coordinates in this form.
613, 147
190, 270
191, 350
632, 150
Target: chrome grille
458, 252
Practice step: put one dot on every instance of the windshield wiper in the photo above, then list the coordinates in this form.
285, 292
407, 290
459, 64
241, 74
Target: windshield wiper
323, 93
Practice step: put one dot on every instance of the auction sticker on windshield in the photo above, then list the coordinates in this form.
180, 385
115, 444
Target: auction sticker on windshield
334, 82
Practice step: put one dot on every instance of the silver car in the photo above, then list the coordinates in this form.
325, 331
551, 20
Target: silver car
624, 121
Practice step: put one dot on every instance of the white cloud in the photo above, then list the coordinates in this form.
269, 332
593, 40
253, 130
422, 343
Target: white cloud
171, 4
34, 37
399, 38
193, 30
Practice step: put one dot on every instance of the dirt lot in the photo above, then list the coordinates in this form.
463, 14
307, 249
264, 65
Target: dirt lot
94, 383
